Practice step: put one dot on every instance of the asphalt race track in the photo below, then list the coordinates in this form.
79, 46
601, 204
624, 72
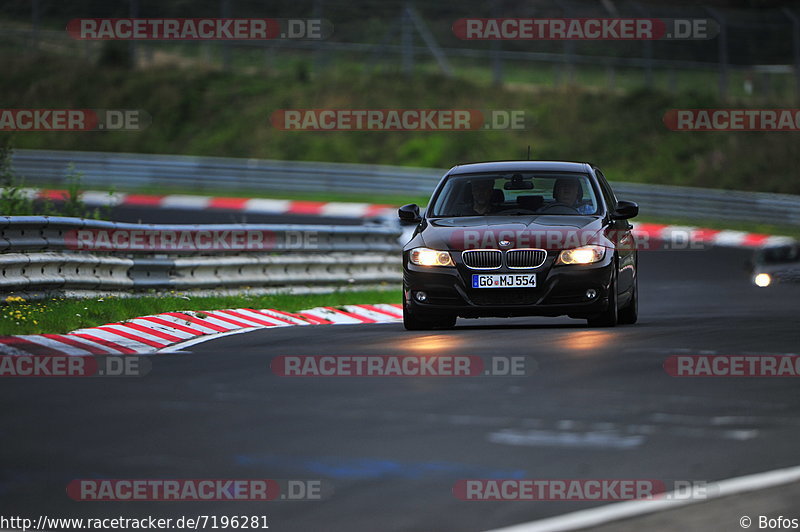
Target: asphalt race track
599, 405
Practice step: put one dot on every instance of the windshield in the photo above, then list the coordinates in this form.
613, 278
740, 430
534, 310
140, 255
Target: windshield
516, 193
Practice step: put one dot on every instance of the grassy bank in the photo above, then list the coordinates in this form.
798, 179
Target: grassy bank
63, 315
204, 112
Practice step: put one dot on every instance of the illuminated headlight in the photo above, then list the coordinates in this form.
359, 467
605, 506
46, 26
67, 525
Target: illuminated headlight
582, 255
430, 257
762, 279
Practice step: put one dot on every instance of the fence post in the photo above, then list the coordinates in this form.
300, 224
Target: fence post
430, 41
672, 81
407, 37
225, 12
647, 44
611, 76
134, 12
35, 23
722, 46
795, 49
316, 57
497, 60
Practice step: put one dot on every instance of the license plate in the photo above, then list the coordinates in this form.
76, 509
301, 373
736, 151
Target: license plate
511, 280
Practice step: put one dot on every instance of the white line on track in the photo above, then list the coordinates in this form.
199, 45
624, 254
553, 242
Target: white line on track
625, 510
199, 340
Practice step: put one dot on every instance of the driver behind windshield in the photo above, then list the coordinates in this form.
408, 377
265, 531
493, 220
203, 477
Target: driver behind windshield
569, 192
482, 190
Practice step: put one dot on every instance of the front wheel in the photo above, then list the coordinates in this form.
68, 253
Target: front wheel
412, 321
610, 316
629, 314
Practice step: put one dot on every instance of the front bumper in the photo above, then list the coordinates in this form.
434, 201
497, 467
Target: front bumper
560, 290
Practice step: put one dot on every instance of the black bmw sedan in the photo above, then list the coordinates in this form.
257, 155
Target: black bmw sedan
520, 238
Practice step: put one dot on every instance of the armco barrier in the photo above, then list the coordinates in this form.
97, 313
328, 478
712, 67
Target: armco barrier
213, 173
46, 253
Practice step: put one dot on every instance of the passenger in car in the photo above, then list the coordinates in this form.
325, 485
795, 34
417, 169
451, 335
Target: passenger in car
569, 192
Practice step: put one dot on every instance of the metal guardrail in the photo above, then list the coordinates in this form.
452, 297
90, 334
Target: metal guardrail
210, 173
101, 169
55, 233
55, 253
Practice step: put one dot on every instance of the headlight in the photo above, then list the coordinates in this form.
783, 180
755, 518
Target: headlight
762, 279
582, 255
430, 257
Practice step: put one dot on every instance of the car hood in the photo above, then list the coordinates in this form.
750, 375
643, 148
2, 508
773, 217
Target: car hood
545, 231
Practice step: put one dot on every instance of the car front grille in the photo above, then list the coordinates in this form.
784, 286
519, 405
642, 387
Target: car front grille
505, 296
525, 258
482, 259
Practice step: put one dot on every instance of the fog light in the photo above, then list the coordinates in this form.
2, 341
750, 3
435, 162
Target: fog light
421, 296
591, 293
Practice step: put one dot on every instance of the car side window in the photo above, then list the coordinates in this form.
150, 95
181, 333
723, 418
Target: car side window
608, 193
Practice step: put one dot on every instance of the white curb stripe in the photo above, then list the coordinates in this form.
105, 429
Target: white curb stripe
214, 321
96, 197
179, 201
335, 317
345, 209
225, 316
55, 345
253, 316
625, 510
9, 350
161, 328
284, 316
138, 334
110, 350
267, 206
139, 347
393, 308
730, 238
186, 323
367, 313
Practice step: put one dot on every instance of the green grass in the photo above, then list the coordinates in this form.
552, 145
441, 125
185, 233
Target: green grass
65, 315
209, 112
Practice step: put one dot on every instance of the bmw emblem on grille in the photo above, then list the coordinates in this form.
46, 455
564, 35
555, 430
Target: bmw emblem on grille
504, 243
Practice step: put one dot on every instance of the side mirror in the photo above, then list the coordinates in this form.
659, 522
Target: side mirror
409, 214
625, 210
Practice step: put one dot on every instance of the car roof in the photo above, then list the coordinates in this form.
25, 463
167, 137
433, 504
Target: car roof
520, 166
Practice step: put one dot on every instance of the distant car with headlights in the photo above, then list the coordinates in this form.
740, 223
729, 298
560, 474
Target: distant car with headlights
520, 238
777, 263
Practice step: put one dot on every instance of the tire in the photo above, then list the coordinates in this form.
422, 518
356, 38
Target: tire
415, 322
610, 316
630, 313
